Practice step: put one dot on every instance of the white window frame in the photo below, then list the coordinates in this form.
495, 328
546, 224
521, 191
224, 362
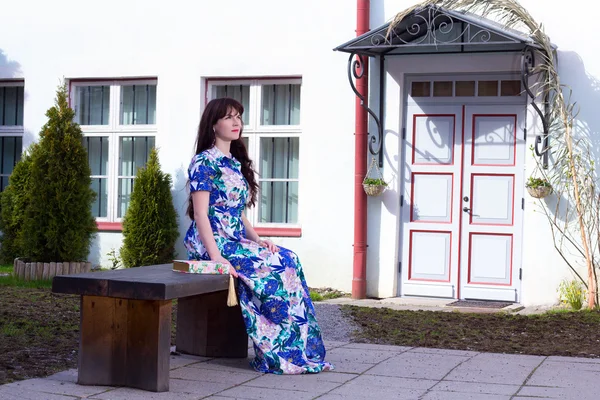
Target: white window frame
114, 132
13, 130
254, 131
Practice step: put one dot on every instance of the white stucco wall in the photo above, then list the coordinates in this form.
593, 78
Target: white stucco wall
579, 68
181, 43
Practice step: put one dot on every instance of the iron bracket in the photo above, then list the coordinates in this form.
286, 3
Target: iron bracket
356, 70
527, 70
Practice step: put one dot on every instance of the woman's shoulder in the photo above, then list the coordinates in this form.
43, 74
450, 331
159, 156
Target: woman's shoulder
203, 158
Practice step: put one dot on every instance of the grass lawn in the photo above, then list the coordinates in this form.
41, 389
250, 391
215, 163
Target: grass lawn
11, 281
6, 269
320, 294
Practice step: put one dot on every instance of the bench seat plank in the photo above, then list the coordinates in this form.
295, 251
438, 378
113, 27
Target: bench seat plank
156, 282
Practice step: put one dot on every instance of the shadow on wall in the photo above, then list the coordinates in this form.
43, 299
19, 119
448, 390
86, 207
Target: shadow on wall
180, 202
586, 92
94, 255
10, 69
377, 13
586, 96
388, 200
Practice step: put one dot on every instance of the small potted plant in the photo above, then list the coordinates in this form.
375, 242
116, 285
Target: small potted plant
538, 187
374, 186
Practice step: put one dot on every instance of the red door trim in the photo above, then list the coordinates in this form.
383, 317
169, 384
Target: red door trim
460, 218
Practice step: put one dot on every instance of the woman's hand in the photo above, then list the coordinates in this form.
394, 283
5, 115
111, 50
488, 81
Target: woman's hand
269, 245
222, 260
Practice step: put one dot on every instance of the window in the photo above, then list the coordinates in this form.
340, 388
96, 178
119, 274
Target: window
465, 88
421, 89
510, 88
11, 127
470, 88
118, 120
487, 88
442, 88
272, 134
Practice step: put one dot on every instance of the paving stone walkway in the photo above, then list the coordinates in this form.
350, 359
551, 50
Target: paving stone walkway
363, 371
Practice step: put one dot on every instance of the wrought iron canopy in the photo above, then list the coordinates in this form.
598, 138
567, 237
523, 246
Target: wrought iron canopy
435, 29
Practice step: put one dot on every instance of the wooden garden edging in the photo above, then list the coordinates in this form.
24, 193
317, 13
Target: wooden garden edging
30, 271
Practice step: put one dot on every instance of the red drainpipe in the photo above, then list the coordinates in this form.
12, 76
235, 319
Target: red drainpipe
359, 279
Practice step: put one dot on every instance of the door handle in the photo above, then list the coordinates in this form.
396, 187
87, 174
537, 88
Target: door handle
467, 210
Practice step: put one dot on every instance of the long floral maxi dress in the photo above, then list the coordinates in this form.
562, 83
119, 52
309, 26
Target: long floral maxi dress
274, 298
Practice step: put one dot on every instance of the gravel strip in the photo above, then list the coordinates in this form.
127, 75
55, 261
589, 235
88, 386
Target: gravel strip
334, 325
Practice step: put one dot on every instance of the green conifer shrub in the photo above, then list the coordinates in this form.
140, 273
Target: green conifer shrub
150, 222
13, 202
58, 224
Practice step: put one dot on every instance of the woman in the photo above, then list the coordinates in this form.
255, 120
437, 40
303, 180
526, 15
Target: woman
274, 298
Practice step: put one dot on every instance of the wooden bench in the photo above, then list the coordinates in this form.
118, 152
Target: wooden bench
125, 327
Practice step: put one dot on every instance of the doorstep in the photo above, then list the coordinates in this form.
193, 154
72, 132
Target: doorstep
420, 304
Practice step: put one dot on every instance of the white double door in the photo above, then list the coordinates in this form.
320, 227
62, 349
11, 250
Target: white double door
462, 206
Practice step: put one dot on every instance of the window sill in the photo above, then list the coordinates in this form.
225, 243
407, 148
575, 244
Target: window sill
279, 232
276, 232
109, 226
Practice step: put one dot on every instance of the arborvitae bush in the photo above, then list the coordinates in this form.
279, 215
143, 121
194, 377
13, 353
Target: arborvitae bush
58, 224
13, 202
150, 223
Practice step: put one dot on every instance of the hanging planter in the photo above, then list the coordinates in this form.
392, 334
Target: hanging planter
374, 186
538, 188
539, 192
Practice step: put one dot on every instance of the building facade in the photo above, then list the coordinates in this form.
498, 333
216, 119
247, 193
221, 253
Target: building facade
455, 126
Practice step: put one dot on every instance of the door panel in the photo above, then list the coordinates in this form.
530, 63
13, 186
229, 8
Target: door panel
490, 258
493, 139
430, 193
433, 137
430, 255
492, 199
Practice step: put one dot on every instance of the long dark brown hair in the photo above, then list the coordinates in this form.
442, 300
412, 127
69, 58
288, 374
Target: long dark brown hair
214, 111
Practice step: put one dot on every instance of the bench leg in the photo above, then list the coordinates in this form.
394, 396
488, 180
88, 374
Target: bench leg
125, 343
207, 327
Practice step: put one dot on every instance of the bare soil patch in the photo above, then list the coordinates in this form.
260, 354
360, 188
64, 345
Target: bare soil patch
561, 333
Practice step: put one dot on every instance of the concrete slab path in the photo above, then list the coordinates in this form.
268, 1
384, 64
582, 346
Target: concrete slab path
363, 371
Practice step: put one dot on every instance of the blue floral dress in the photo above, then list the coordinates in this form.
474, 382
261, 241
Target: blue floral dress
276, 307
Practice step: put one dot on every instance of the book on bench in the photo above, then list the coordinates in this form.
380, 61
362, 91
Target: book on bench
200, 267
208, 267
